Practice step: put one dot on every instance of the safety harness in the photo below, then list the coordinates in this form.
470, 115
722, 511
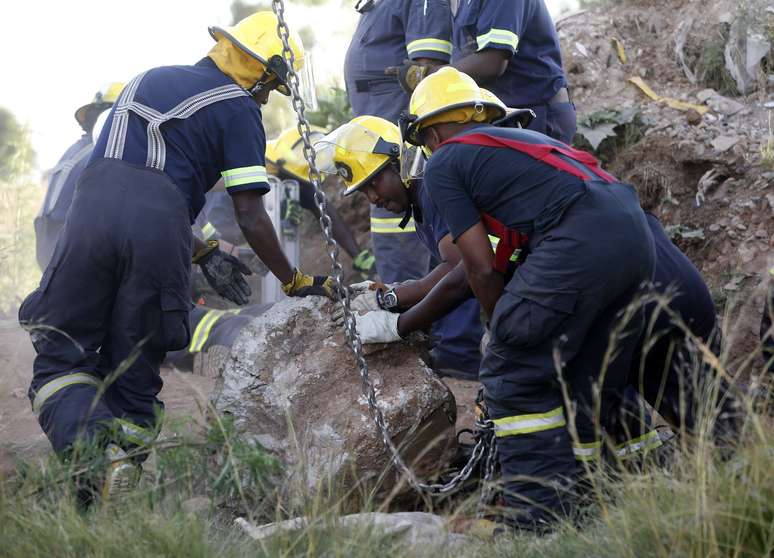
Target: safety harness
573, 161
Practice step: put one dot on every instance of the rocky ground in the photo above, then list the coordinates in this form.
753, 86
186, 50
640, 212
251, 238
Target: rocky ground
708, 170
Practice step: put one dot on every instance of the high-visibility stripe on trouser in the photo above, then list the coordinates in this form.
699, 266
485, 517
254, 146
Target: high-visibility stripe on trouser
641, 444
589, 451
204, 327
527, 424
136, 434
50, 388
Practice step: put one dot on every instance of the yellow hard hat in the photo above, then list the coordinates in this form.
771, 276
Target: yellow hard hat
358, 150
286, 152
103, 99
448, 95
257, 36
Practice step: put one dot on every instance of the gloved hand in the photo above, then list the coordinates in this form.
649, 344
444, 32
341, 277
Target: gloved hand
409, 74
308, 285
359, 288
485, 340
378, 327
362, 303
224, 273
364, 262
291, 212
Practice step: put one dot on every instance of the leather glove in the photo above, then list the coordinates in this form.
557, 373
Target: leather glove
378, 327
291, 212
364, 262
310, 285
362, 303
359, 288
409, 74
224, 273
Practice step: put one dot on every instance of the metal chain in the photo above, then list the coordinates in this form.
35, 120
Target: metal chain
343, 292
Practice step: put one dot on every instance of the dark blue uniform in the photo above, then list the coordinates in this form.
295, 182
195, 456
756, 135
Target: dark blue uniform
386, 35
534, 73
665, 374
589, 251
59, 196
457, 336
767, 333
115, 297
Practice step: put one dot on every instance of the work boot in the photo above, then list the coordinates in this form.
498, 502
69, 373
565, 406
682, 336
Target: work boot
121, 478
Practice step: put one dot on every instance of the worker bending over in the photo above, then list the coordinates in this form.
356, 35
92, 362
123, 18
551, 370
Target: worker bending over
115, 297
586, 250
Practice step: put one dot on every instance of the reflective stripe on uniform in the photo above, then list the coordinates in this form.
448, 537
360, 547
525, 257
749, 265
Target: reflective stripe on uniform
438, 45
50, 388
61, 173
526, 424
157, 149
208, 230
646, 442
244, 175
204, 327
136, 434
589, 451
390, 225
498, 36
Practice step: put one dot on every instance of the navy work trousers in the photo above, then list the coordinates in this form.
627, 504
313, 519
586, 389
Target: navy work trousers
114, 299
554, 320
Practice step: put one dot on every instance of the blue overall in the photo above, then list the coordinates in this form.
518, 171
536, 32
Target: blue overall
59, 196
664, 375
767, 333
456, 338
534, 73
386, 35
115, 297
589, 251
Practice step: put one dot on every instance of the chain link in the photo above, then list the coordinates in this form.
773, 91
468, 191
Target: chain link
343, 292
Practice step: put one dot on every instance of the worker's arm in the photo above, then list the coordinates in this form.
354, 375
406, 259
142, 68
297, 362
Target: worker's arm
451, 291
410, 293
486, 283
484, 66
258, 230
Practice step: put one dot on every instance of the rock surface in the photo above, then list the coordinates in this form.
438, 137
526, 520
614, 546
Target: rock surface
291, 382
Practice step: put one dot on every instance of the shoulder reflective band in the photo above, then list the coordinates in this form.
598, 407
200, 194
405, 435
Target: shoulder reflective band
50, 388
587, 452
437, 45
136, 434
526, 424
646, 442
61, 173
157, 149
208, 230
244, 175
498, 36
391, 225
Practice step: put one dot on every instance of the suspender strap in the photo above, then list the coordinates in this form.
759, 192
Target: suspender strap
61, 174
157, 149
545, 152
510, 241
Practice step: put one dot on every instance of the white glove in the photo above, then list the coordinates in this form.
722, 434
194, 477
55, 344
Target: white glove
378, 327
365, 302
357, 288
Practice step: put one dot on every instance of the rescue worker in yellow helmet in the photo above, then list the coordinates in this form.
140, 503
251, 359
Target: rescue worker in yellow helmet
116, 293
61, 184
585, 249
285, 160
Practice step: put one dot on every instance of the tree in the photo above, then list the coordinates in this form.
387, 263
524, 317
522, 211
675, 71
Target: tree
16, 155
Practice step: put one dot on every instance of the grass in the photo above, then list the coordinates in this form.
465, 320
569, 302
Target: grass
767, 149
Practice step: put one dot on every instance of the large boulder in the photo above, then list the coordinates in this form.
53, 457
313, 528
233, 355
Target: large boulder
291, 382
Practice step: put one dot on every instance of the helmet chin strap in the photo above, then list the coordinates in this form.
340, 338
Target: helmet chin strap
413, 210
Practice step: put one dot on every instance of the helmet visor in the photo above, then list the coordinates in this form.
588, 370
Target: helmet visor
412, 163
338, 151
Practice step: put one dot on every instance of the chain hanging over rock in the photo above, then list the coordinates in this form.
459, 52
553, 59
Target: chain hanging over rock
487, 438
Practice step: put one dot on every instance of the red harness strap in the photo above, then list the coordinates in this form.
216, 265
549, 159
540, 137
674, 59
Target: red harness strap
511, 239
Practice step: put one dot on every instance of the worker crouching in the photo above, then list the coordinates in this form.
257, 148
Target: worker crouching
585, 252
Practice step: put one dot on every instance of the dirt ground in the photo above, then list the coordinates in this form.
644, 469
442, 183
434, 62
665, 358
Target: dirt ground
20, 435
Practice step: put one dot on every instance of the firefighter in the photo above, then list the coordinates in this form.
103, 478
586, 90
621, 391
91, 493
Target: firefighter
586, 249
61, 184
115, 297
388, 33
365, 154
